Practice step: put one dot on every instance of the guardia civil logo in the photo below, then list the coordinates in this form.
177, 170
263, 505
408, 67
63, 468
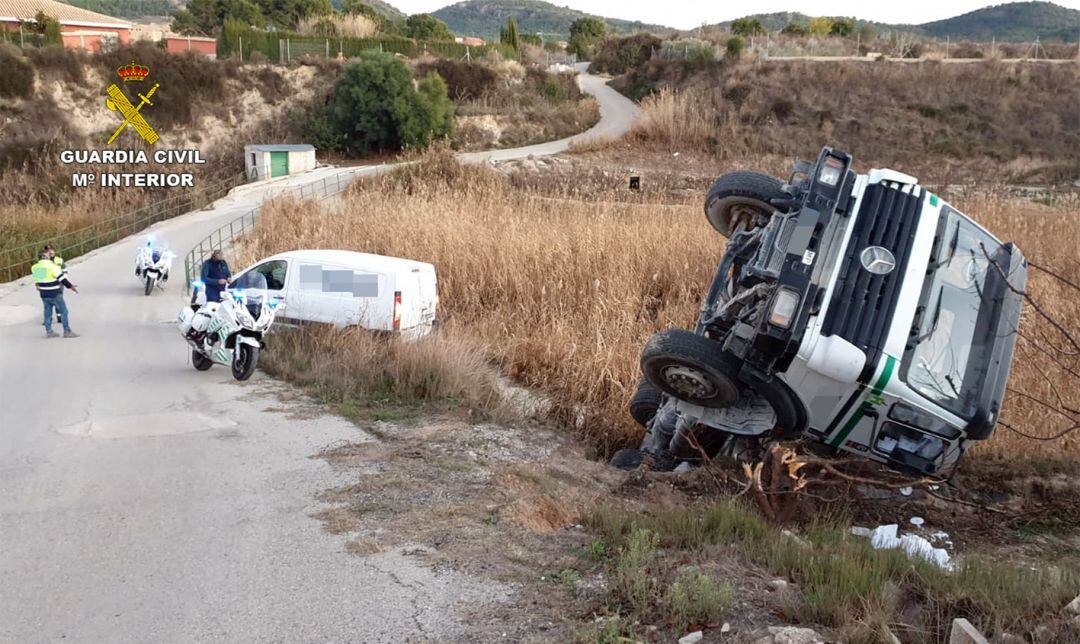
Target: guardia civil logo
128, 111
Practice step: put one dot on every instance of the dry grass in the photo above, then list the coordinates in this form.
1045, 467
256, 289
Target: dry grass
563, 292
674, 118
946, 123
366, 376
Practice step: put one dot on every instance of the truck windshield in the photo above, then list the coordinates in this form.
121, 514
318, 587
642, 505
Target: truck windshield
947, 358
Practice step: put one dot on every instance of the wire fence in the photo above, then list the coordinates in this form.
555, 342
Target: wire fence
16, 262
218, 239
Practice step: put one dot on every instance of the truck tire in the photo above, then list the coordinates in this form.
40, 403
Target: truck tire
645, 402
741, 197
627, 459
692, 368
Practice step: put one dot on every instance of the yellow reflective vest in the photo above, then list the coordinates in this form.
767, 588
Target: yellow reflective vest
48, 277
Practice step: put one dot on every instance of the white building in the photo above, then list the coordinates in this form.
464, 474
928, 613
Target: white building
277, 160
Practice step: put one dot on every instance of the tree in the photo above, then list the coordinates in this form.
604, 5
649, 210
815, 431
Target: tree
747, 27
376, 108
428, 116
820, 26
424, 26
47, 27
842, 27
585, 34
794, 29
205, 17
509, 36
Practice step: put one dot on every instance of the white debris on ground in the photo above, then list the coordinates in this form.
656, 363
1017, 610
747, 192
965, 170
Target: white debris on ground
917, 521
884, 538
906, 491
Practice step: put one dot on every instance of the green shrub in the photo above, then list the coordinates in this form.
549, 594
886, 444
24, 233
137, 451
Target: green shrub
553, 90
619, 55
697, 598
734, 47
377, 109
17, 81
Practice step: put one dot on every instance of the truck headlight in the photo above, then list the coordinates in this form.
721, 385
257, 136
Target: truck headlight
830, 171
783, 308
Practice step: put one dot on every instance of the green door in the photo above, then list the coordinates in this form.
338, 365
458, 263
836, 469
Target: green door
279, 164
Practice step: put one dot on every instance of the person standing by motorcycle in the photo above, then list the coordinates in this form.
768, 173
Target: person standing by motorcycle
50, 281
215, 275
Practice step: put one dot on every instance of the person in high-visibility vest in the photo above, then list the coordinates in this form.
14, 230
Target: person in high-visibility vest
59, 261
50, 281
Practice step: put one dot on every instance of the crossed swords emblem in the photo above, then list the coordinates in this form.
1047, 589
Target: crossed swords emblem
118, 102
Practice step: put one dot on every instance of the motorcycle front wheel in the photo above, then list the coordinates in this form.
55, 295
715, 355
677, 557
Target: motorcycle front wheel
200, 362
244, 362
149, 284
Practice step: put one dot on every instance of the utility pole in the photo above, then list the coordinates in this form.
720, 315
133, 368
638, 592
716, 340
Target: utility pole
947, 46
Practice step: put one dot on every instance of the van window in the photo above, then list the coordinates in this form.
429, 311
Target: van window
274, 271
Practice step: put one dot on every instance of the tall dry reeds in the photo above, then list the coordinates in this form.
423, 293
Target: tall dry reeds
563, 292
676, 117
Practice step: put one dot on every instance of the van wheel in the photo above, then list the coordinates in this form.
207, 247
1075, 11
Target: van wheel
742, 197
645, 402
692, 368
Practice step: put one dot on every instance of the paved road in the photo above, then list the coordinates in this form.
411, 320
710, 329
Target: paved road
142, 501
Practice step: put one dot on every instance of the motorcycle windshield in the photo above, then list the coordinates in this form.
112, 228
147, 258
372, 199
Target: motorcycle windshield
252, 286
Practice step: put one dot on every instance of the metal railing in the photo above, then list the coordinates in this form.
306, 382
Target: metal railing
16, 262
327, 187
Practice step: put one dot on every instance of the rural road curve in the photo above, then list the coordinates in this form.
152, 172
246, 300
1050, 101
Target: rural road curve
143, 501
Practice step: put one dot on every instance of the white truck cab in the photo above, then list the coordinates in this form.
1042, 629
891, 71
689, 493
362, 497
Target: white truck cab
346, 288
858, 311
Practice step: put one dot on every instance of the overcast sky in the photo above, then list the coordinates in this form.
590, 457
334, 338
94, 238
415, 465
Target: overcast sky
686, 14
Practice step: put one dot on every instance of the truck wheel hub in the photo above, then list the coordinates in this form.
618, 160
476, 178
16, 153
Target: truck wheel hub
689, 382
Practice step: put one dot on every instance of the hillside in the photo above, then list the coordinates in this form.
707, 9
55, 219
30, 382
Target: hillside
126, 8
780, 19
1017, 21
485, 17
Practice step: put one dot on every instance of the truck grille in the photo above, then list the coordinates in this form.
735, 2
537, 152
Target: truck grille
863, 303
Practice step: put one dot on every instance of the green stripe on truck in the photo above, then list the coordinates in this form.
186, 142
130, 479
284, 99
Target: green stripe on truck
879, 386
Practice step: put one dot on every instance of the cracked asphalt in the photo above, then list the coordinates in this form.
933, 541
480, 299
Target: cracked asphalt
143, 501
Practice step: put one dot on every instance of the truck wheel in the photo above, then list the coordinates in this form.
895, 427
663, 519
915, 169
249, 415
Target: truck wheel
692, 368
741, 197
200, 362
627, 459
645, 402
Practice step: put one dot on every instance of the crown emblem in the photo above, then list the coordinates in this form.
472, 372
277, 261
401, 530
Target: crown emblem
132, 72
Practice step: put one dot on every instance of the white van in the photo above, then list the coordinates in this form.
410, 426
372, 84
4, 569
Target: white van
344, 288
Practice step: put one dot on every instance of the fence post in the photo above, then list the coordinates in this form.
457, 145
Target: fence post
328, 48
241, 39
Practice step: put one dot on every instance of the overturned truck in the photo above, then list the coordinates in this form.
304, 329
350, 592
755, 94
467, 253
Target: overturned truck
858, 312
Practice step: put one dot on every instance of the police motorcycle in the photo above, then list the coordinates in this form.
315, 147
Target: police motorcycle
152, 266
229, 332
